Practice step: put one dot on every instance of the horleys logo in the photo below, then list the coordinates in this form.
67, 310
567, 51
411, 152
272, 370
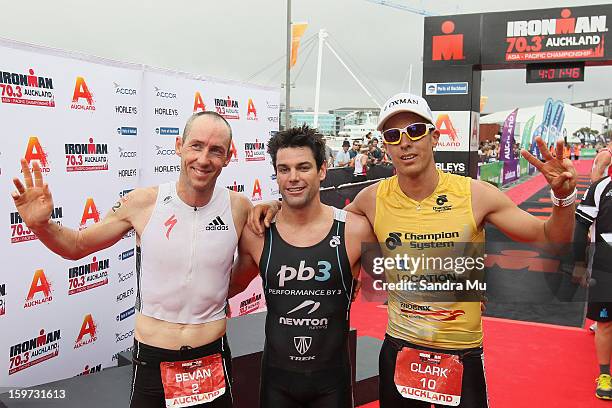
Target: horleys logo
21, 233
553, 38
128, 110
166, 111
256, 196
87, 335
251, 111
198, 103
167, 169
88, 276
127, 173
26, 89
40, 290
34, 351
90, 212
254, 151
82, 98
87, 370
228, 108
34, 151
86, 156
123, 91
125, 294
251, 304
2, 299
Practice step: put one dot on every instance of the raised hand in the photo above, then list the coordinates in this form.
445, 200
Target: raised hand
34, 201
559, 171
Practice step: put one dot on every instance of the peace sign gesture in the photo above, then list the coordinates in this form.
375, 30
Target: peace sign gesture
34, 201
559, 171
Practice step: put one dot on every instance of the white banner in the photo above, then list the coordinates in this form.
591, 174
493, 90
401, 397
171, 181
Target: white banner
99, 129
454, 128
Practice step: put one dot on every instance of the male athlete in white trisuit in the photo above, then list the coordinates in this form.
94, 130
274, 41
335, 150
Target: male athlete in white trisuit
186, 235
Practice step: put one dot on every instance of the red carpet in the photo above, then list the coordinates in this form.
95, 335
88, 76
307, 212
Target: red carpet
528, 365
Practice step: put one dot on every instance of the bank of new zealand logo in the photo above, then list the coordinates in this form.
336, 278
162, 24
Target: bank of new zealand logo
302, 344
394, 240
604, 313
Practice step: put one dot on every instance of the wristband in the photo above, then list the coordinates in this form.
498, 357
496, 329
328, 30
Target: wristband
563, 202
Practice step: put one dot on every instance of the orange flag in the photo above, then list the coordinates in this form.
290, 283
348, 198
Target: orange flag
297, 31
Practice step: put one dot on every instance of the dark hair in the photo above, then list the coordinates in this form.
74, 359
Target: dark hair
346, 143
213, 115
374, 139
303, 136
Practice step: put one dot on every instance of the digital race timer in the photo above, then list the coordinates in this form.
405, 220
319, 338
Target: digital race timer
557, 72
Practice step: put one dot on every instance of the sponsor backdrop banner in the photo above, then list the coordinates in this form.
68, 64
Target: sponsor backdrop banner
99, 129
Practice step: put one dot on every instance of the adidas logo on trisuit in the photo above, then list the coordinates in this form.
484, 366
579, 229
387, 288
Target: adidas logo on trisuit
217, 225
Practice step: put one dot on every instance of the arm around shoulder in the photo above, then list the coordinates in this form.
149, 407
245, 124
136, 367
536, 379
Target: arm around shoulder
365, 202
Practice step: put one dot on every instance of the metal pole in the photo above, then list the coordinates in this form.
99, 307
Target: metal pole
288, 71
322, 35
410, 80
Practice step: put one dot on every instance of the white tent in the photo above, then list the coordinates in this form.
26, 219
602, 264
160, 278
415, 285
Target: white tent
575, 118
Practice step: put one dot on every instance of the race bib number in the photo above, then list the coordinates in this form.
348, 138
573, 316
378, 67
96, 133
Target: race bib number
193, 382
428, 376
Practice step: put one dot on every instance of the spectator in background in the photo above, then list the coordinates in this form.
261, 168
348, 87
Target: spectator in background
361, 165
329, 153
577, 149
375, 155
566, 150
386, 159
343, 157
355, 150
368, 137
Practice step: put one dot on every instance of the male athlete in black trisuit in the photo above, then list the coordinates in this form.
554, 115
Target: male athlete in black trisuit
308, 260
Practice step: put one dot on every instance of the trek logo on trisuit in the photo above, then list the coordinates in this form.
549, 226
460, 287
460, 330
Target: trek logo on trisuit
217, 225
302, 344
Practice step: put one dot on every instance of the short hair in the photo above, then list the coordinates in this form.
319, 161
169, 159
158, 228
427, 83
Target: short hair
210, 114
303, 136
374, 139
346, 143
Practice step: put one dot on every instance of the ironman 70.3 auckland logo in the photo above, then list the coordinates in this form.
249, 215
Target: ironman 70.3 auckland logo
26, 88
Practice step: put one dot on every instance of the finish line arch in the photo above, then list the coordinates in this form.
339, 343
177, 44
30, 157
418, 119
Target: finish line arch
458, 48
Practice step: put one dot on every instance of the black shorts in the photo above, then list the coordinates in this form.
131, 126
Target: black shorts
147, 387
473, 390
599, 311
330, 388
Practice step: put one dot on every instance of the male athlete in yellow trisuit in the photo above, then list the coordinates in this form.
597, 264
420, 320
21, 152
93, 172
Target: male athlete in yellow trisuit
441, 343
